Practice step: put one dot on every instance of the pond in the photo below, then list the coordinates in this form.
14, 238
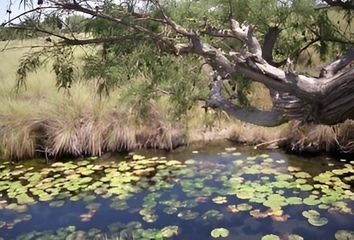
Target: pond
211, 192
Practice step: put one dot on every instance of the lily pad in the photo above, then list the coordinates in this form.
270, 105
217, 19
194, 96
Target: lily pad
256, 213
323, 206
230, 149
25, 199
244, 207
306, 187
245, 194
188, 215
219, 233
116, 227
294, 200
275, 201
270, 237
119, 205
344, 235
138, 157
150, 218
93, 206
190, 162
312, 200
219, 200
233, 208
212, 214
169, 231
295, 237
17, 207
2, 224
302, 175
310, 214
318, 222
170, 210
236, 154
56, 204
75, 198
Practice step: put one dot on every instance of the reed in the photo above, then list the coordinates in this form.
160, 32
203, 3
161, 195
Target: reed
319, 138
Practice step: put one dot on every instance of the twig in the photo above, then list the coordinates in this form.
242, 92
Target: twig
269, 142
25, 13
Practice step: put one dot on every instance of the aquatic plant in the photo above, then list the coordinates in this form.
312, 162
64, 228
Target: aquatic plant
198, 192
219, 233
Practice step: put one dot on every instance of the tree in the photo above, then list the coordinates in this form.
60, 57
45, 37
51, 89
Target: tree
209, 29
75, 23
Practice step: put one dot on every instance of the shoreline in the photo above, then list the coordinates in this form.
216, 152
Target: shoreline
202, 138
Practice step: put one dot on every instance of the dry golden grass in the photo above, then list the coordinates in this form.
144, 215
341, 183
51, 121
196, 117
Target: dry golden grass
252, 134
41, 119
320, 138
18, 130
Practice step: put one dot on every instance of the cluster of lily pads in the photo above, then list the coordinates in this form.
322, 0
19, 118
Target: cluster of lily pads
117, 231
325, 191
21, 187
314, 218
339, 235
260, 186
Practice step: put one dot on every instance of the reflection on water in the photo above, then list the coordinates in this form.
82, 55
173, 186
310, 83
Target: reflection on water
206, 193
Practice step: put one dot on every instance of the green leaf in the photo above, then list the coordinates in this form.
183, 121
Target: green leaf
270, 237
219, 233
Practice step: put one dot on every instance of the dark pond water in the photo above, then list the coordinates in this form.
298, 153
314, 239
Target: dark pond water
222, 192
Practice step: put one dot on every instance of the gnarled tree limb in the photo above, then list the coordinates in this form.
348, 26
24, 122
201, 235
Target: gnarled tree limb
327, 99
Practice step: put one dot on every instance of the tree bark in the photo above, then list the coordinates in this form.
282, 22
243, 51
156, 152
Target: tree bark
328, 99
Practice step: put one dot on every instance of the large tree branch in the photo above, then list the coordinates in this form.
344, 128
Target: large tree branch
269, 42
242, 32
97, 13
306, 97
338, 64
26, 13
328, 99
344, 4
176, 27
312, 94
40, 30
251, 115
111, 40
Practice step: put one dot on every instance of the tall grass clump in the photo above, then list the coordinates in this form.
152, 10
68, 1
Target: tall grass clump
72, 125
19, 128
251, 134
40, 119
320, 138
79, 125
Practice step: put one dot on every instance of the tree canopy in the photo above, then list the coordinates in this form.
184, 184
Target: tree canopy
203, 50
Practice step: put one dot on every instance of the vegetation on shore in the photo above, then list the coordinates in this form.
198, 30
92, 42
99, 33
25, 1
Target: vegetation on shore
81, 100
40, 120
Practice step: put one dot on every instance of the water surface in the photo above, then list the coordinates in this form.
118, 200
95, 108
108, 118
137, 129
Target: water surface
213, 191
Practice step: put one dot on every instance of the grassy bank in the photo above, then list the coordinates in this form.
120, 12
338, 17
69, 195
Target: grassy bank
40, 120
